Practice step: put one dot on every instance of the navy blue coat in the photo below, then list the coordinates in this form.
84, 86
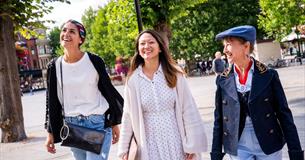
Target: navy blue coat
272, 119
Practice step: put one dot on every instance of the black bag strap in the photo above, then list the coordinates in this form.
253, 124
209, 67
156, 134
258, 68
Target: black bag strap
132, 136
62, 90
64, 131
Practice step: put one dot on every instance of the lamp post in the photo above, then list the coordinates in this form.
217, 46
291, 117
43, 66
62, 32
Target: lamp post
296, 31
301, 29
298, 41
139, 18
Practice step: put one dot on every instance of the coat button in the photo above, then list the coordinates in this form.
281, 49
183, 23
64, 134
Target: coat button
266, 99
225, 118
225, 133
271, 131
224, 102
268, 115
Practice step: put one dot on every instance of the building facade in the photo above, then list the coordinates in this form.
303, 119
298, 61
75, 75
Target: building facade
33, 56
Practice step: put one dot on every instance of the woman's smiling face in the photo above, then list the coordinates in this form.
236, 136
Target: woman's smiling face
234, 49
69, 36
148, 47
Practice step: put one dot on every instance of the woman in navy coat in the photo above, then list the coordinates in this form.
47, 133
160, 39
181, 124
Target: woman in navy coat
252, 118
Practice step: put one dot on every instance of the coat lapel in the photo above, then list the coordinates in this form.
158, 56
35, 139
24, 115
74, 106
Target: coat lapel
260, 80
227, 83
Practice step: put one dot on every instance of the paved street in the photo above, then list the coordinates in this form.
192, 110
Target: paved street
203, 88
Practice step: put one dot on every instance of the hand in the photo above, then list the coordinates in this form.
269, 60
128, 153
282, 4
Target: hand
50, 143
115, 134
189, 156
125, 157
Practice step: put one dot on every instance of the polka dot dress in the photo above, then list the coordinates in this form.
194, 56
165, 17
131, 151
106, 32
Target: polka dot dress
161, 128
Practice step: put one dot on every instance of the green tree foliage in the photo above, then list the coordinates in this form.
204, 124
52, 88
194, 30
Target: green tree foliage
88, 19
195, 32
27, 14
21, 15
115, 25
159, 14
54, 39
194, 25
278, 17
114, 30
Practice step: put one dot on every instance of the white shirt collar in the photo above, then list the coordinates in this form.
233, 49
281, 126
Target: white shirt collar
251, 69
247, 86
140, 70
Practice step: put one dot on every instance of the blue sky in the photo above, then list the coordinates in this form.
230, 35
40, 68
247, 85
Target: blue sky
63, 12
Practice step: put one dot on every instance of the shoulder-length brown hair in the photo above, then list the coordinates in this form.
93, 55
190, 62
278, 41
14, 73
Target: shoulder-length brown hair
168, 64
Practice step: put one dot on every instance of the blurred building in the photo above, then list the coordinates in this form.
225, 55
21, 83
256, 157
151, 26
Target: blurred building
26, 52
33, 55
268, 51
44, 49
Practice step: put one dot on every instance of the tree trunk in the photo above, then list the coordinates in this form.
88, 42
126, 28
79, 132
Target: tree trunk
164, 30
11, 114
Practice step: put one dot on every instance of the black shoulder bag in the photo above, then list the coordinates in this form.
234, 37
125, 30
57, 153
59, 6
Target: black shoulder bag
77, 136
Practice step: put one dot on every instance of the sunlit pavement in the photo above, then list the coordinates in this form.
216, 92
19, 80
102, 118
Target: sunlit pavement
203, 89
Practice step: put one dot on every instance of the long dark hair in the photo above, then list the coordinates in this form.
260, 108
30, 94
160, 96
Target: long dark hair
168, 64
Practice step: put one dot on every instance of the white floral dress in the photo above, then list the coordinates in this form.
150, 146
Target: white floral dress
161, 128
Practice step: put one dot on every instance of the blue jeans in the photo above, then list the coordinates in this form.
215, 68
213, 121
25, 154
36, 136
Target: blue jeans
249, 148
95, 122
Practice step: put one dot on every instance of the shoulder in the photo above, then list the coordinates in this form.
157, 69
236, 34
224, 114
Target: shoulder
226, 72
95, 58
52, 63
181, 80
133, 78
273, 72
262, 68
180, 76
179, 72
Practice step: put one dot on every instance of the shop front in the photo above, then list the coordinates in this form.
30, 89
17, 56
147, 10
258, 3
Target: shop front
31, 80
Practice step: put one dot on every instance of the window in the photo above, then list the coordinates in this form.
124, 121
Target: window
41, 50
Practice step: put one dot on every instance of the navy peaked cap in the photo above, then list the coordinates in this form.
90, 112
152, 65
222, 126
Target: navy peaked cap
246, 32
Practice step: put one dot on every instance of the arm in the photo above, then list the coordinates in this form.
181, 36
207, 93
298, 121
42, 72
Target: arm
213, 66
115, 101
195, 137
47, 116
216, 153
285, 118
49, 143
115, 134
113, 97
126, 127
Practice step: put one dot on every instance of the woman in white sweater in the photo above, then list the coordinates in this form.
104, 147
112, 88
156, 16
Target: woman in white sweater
80, 92
159, 109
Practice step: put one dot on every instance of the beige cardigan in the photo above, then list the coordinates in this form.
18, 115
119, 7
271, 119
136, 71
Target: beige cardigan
190, 124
